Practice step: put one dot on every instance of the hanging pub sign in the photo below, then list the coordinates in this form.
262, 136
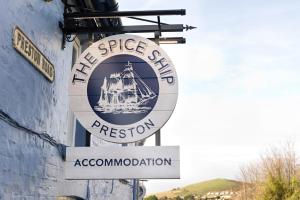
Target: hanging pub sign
123, 88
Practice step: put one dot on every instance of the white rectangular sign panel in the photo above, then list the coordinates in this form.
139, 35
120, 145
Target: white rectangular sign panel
114, 162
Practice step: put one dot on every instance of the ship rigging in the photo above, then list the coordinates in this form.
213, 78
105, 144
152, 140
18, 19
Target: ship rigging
124, 92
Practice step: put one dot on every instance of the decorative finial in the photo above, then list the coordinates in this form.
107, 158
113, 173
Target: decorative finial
187, 27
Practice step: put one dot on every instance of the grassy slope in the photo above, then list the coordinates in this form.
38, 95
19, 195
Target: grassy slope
202, 188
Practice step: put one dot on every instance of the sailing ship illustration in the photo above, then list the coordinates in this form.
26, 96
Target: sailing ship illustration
124, 92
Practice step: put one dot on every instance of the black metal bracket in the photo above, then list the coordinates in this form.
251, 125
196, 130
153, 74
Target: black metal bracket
159, 25
117, 14
87, 22
64, 36
62, 150
125, 29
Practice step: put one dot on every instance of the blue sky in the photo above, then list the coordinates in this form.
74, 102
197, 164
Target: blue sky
239, 85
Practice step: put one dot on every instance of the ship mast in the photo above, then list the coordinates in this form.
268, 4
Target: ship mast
103, 96
134, 83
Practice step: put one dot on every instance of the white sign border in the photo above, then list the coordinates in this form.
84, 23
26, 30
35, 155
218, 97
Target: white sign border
159, 115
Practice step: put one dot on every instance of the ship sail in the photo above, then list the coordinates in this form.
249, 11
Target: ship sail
124, 92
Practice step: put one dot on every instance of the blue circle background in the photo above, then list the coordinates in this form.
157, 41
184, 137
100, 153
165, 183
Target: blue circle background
116, 64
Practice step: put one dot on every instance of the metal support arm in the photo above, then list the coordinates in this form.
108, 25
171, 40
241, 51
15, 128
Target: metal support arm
117, 14
125, 29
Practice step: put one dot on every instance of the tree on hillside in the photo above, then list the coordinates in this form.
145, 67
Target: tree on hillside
274, 176
177, 198
151, 197
163, 198
189, 197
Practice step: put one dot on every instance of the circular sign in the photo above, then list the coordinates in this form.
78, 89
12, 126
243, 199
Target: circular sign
123, 88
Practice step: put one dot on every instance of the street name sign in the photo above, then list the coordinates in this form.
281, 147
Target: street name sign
111, 162
123, 88
27, 49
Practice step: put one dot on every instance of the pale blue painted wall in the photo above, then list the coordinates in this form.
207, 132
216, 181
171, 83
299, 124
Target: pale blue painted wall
29, 167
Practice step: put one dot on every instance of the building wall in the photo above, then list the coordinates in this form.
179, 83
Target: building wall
31, 168
108, 189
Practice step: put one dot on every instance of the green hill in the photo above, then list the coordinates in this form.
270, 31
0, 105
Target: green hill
215, 185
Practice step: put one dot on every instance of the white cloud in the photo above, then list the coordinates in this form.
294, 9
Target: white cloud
239, 79
219, 134
206, 119
201, 63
